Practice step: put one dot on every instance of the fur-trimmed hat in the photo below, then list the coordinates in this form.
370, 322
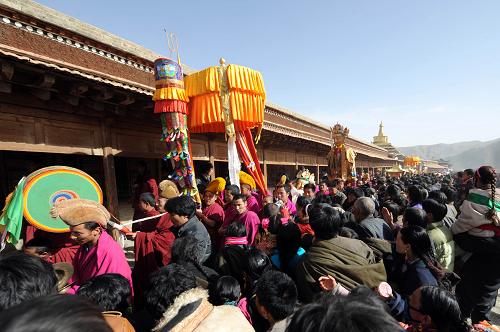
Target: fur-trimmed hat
79, 211
216, 186
247, 179
168, 189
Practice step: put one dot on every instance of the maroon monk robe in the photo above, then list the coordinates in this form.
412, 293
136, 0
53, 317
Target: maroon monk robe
148, 225
252, 222
230, 214
253, 204
152, 251
214, 212
62, 248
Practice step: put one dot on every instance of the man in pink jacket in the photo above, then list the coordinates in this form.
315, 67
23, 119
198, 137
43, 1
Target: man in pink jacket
99, 253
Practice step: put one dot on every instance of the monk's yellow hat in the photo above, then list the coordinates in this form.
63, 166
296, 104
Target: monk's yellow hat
216, 186
247, 179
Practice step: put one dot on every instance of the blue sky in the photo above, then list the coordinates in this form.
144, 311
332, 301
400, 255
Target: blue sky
430, 70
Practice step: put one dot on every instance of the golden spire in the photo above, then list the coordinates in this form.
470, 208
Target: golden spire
381, 130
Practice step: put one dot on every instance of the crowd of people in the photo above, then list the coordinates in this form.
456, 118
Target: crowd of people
415, 253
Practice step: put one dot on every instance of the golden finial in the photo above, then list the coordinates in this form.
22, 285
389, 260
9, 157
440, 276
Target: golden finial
222, 61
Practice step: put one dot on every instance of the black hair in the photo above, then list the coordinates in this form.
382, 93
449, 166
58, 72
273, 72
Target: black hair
109, 291
270, 210
450, 194
205, 167
182, 206
415, 216
415, 194
287, 243
308, 318
23, 278
302, 202
239, 196
393, 208
438, 196
226, 290
275, 224
325, 221
91, 225
360, 311
393, 191
469, 172
187, 250
40, 245
165, 285
310, 186
348, 232
443, 309
236, 229
277, 293
257, 264
421, 246
487, 176
233, 189
322, 198
357, 192
285, 186
147, 198
438, 210
54, 313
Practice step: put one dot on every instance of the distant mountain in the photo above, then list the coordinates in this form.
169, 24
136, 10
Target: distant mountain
460, 155
437, 151
486, 154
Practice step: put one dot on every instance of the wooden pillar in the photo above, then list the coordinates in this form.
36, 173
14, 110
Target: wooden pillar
108, 162
296, 161
317, 173
264, 166
211, 157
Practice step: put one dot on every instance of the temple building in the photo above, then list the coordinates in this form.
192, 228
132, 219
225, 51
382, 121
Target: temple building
73, 94
383, 141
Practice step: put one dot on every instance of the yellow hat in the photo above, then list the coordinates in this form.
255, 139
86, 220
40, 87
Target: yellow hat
79, 211
168, 189
216, 186
247, 179
282, 181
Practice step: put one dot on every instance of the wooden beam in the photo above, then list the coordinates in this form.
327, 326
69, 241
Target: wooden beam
46, 81
128, 100
70, 99
104, 94
41, 94
5, 87
78, 89
7, 71
108, 162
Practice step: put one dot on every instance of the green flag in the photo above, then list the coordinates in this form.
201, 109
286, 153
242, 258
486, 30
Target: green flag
12, 216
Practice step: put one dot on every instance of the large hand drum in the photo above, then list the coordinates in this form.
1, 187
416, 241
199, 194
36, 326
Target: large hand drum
53, 184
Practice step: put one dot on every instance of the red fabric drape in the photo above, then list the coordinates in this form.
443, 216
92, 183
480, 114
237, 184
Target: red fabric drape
248, 155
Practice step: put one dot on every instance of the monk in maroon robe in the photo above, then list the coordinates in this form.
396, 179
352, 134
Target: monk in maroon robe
147, 205
230, 212
145, 183
62, 248
249, 218
246, 183
212, 216
152, 251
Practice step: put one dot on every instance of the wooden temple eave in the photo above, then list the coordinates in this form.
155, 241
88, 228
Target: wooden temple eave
94, 73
